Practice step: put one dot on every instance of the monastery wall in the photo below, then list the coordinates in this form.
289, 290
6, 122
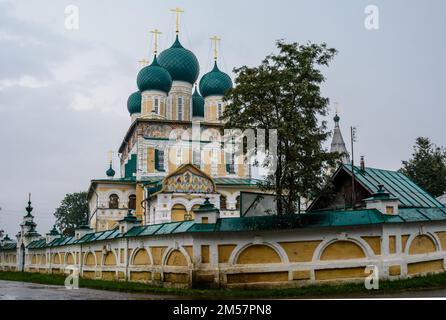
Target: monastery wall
279, 258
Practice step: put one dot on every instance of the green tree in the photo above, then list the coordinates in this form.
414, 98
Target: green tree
283, 93
427, 166
72, 212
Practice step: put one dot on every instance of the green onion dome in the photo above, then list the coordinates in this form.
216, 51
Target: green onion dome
215, 83
197, 104
134, 102
154, 77
181, 63
110, 172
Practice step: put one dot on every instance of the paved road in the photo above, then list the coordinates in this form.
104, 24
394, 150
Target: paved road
12, 290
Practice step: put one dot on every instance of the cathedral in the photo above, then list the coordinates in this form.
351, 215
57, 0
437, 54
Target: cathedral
179, 213
173, 154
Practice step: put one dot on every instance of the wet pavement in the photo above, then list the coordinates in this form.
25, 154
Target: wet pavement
12, 290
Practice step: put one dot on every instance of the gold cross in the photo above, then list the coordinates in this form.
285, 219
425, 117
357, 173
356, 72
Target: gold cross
110, 156
143, 62
177, 11
215, 40
155, 33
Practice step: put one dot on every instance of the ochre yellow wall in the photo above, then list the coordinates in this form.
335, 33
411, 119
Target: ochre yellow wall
70, 259
56, 258
224, 252
176, 277
374, 243
258, 254
98, 255
88, 274
395, 270
221, 166
140, 276
121, 257
392, 244
301, 275
176, 258
110, 259
442, 237
189, 251
141, 258
139, 199
205, 254
404, 239
178, 212
301, 251
150, 160
422, 244
108, 275
257, 277
332, 274
425, 267
157, 254
342, 250
90, 259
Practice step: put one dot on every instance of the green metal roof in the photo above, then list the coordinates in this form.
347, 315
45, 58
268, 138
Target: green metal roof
321, 219
8, 246
236, 181
397, 184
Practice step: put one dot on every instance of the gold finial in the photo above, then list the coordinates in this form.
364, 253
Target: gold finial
177, 11
143, 62
110, 156
336, 107
155, 33
215, 40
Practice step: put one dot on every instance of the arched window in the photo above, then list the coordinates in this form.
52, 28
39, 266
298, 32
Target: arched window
237, 203
132, 202
222, 202
113, 201
180, 108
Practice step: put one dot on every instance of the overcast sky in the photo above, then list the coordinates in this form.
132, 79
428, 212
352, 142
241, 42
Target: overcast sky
63, 92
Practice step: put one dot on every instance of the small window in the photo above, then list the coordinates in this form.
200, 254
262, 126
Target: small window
132, 202
169, 108
159, 160
230, 163
219, 110
223, 204
156, 105
205, 220
389, 210
113, 201
180, 108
